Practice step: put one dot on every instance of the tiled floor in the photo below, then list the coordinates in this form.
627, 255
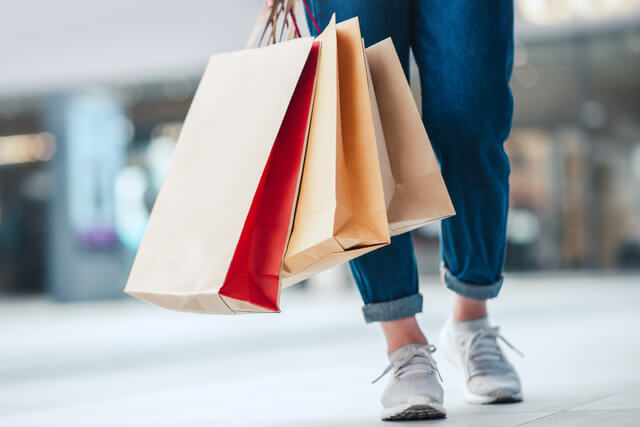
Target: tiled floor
125, 363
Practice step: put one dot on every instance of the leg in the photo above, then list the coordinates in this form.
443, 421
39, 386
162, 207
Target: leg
387, 278
464, 50
388, 282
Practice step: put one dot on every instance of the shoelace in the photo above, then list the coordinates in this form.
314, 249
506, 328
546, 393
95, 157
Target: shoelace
483, 345
422, 356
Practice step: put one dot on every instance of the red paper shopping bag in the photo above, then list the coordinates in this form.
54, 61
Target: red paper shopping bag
254, 273
218, 230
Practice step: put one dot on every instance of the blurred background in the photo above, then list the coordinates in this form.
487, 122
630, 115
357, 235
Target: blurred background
92, 98
93, 94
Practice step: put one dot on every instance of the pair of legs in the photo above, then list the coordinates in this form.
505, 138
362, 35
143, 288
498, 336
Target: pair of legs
464, 52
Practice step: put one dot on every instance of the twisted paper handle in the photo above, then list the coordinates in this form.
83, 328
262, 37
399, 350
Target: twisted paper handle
295, 22
278, 13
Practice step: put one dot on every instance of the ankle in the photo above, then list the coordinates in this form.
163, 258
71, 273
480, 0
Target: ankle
402, 332
467, 309
396, 344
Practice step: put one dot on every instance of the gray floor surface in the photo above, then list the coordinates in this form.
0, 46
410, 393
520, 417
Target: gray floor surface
126, 363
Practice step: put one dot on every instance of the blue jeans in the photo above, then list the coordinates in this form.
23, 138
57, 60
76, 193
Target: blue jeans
464, 51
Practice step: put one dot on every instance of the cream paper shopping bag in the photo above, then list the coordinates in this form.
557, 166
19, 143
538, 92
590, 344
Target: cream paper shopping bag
217, 233
341, 211
415, 192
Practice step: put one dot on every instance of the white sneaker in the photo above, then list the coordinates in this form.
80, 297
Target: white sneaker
472, 346
414, 392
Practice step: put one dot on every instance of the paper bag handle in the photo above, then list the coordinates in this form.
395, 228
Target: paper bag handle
313, 19
293, 17
295, 22
267, 21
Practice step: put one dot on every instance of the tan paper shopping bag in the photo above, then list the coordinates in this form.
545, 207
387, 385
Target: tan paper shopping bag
218, 230
415, 192
341, 212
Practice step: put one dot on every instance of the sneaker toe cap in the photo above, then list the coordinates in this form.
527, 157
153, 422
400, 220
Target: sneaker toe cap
412, 391
503, 386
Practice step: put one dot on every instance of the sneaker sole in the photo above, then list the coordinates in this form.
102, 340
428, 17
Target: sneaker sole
505, 397
425, 411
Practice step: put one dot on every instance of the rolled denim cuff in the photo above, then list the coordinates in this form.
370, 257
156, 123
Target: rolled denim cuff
396, 309
471, 290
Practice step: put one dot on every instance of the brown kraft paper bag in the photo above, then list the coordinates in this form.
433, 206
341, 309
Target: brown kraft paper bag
341, 211
415, 192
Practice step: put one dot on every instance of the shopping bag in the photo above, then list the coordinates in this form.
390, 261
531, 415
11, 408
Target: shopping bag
218, 230
415, 193
341, 211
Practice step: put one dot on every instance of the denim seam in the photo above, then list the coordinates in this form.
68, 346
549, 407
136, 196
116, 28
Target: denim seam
388, 311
